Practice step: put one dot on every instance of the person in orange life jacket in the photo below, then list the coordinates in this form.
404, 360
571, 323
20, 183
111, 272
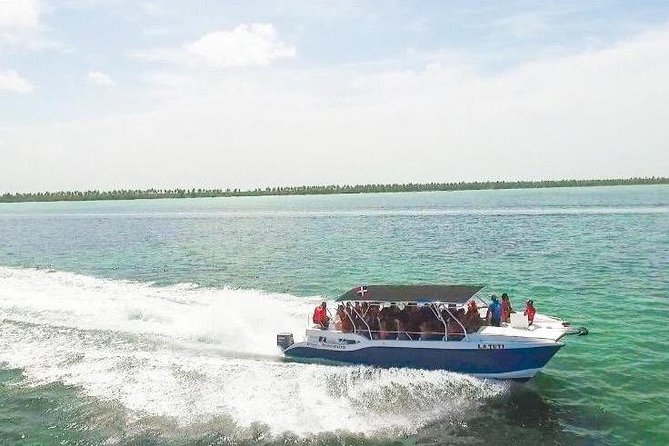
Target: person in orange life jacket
506, 308
321, 316
530, 311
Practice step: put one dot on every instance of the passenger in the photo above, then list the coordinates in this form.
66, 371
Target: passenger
346, 326
405, 312
387, 319
394, 310
506, 308
403, 324
384, 313
425, 314
455, 330
424, 330
372, 320
530, 311
358, 321
403, 330
414, 321
338, 317
472, 309
321, 317
494, 313
387, 328
447, 313
351, 316
472, 318
437, 329
431, 330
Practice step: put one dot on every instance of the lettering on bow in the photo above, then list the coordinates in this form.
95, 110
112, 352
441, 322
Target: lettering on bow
491, 346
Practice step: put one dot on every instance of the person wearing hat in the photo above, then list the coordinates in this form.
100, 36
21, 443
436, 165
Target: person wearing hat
530, 311
494, 314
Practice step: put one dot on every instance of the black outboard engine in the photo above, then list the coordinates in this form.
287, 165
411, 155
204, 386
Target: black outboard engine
284, 340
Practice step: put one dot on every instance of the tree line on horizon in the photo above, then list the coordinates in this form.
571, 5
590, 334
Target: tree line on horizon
137, 194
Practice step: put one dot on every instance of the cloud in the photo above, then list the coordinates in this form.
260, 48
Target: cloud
256, 44
18, 14
11, 81
18, 18
21, 27
99, 78
598, 113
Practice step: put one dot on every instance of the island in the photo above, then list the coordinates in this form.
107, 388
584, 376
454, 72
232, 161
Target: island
143, 194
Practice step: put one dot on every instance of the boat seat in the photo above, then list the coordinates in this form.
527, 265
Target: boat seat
518, 320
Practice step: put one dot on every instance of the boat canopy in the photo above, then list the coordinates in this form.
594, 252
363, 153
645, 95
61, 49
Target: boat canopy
456, 294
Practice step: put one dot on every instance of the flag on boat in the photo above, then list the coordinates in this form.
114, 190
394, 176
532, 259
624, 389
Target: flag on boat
361, 291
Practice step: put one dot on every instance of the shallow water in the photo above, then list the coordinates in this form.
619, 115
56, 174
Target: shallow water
154, 322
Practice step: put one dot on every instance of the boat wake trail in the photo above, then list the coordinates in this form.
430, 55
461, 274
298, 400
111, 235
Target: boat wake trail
192, 355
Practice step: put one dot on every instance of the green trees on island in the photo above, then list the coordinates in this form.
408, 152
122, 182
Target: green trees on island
136, 194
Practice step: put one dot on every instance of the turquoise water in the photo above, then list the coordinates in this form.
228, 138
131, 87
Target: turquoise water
153, 322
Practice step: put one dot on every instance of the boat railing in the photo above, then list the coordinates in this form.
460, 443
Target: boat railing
440, 318
448, 310
350, 319
369, 333
411, 335
369, 330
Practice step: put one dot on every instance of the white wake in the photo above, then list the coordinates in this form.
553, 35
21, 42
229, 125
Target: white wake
194, 354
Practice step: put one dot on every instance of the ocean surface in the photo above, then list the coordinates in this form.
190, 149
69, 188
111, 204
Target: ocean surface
154, 322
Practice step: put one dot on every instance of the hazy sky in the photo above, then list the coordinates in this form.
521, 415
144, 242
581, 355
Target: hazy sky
135, 94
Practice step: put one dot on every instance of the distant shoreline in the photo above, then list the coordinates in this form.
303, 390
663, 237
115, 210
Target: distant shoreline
147, 194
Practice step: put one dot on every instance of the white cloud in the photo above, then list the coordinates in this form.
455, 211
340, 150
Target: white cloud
599, 113
256, 44
11, 81
18, 19
99, 78
21, 27
18, 14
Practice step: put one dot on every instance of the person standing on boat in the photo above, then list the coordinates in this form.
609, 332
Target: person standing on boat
494, 314
321, 316
530, 311
506, 308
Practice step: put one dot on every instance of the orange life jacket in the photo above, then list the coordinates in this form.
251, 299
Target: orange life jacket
319, 315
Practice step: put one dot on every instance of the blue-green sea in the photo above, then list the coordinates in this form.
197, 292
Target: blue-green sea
154, 322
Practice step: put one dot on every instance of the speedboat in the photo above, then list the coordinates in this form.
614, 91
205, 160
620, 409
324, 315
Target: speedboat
515, 350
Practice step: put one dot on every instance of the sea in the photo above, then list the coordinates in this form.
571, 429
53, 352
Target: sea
154, 322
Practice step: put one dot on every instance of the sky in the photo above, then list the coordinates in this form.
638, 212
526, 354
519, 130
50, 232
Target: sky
109, 94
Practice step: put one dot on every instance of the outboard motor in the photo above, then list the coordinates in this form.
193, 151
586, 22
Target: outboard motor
284, 340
